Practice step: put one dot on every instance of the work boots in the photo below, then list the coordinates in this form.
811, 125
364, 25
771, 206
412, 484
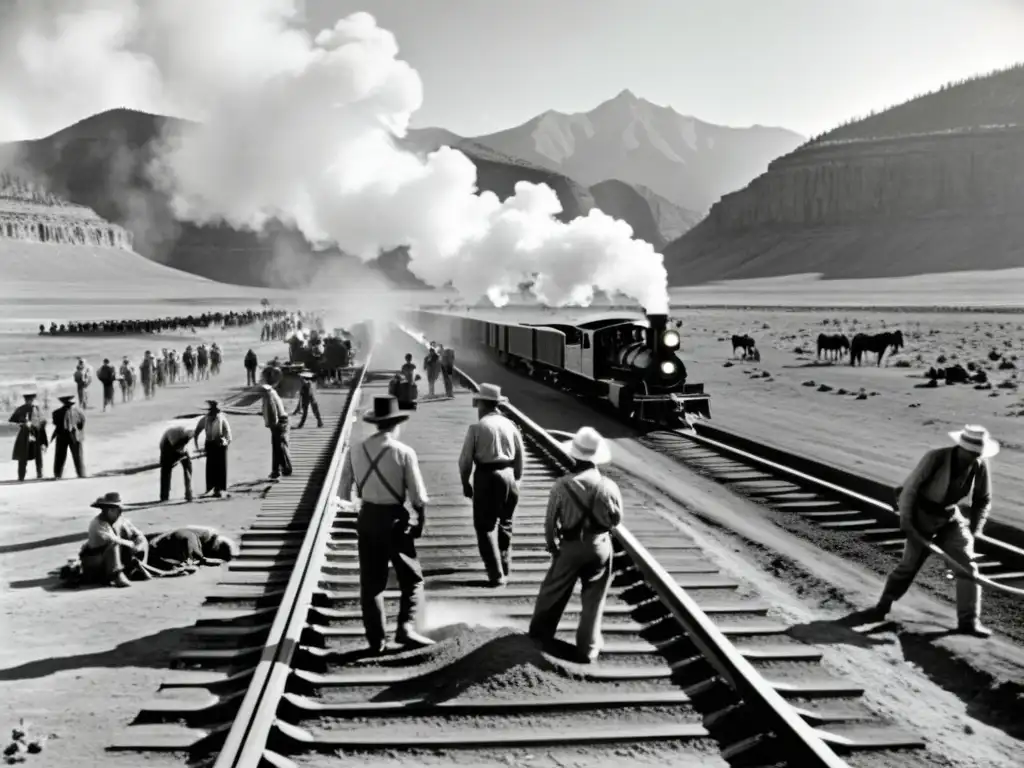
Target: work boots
120, 580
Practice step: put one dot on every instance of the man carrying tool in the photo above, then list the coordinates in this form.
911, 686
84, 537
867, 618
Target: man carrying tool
495, 446
386, 473
930, 512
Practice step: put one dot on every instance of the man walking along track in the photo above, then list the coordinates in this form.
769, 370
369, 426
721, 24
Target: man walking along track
386, 473
495, 447
307, 400
929, 504
582, 510
275, 417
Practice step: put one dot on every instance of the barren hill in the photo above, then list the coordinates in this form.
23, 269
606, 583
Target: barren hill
100, 162
685, 160
930, 186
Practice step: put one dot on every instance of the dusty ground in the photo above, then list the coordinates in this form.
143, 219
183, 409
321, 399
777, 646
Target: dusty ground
962, 694
79, 664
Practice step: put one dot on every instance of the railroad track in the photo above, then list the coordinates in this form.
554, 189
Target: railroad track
693, 671
830, 498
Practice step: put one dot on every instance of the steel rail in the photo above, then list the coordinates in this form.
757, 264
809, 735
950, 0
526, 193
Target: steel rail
861, 501
802, 743
247, 740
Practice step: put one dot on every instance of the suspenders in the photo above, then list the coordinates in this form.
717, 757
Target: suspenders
374, 470
588, 516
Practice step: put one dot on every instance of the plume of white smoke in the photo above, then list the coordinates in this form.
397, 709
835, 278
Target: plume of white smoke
303, 131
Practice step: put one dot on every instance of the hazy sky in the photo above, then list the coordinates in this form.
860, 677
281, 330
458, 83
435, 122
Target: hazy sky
801, 64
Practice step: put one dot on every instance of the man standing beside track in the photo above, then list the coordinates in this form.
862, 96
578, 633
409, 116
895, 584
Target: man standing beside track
929, 506
386, 473
582, 510
495, 446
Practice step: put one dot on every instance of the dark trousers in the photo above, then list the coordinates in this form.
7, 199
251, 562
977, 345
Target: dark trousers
316, 412
280, 457
108, 395
216, 466
447, 374
383, 541
148, 387
167, 461
495, 497
250, 376
60, 455
23, 465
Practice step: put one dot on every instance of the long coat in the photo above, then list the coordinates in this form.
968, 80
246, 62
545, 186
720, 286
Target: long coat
32, 439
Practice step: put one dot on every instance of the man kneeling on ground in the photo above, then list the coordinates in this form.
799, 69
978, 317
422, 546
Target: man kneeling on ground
190, 546
116, 550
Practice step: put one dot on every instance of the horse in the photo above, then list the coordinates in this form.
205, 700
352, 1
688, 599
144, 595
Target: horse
834, 345
743, 342
879, 343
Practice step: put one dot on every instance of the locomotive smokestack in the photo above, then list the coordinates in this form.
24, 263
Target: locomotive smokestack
659, 323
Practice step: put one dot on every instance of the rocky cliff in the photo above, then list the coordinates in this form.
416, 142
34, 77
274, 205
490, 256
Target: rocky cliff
929, 186
59, 225
891, 207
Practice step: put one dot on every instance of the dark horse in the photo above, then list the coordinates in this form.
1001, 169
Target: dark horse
743, 342
834, 344
879, 343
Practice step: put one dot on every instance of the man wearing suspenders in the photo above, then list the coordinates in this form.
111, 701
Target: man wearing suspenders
386, 472
495, 447
582, 510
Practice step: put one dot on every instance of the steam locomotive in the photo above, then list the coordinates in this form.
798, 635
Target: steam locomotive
631, 364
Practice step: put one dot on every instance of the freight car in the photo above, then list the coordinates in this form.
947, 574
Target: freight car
631, 364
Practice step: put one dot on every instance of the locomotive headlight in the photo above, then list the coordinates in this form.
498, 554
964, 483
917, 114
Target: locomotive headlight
670, 339
668, 368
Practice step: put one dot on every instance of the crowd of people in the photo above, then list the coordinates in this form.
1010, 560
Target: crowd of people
193, 323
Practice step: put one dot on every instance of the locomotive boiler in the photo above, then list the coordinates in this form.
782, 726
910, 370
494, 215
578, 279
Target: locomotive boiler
631, 364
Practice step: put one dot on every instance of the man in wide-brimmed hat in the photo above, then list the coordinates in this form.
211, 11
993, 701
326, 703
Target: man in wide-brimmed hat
932, 501
115, 550
493, 454
386, 473
307, 400
68, 435
31, 441
218, 438
275, 417
582, 510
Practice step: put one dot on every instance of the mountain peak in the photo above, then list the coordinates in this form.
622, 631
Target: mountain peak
626, 95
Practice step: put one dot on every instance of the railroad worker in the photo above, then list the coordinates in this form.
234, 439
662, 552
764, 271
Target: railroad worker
386, 473
173, 451
307, 400
448, 370
68, 435
189, 546
116, 550
582, 510
251, 362
930, 504
83, 378
275, 417
107, 375
432, 365
409, 369
218, 438
31, 441
147, 374
495, 447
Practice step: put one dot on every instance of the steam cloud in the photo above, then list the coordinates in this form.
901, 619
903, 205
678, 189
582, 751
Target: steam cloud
303, 131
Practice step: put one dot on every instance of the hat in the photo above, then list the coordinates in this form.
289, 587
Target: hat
385, 411
976, 439
213, 404
490, 393
588, 445
112, 499
69, 399
29, 395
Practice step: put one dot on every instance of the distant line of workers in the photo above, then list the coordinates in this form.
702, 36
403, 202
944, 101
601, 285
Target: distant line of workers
582, 510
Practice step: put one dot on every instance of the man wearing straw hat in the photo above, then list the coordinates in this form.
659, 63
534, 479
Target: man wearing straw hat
68, 435
386, 474
495, 447
930, 504
115, 550
582, 510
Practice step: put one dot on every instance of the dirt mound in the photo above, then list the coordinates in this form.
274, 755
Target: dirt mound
477, 663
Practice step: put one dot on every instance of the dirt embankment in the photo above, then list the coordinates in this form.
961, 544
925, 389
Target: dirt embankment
61, 224
940, 202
